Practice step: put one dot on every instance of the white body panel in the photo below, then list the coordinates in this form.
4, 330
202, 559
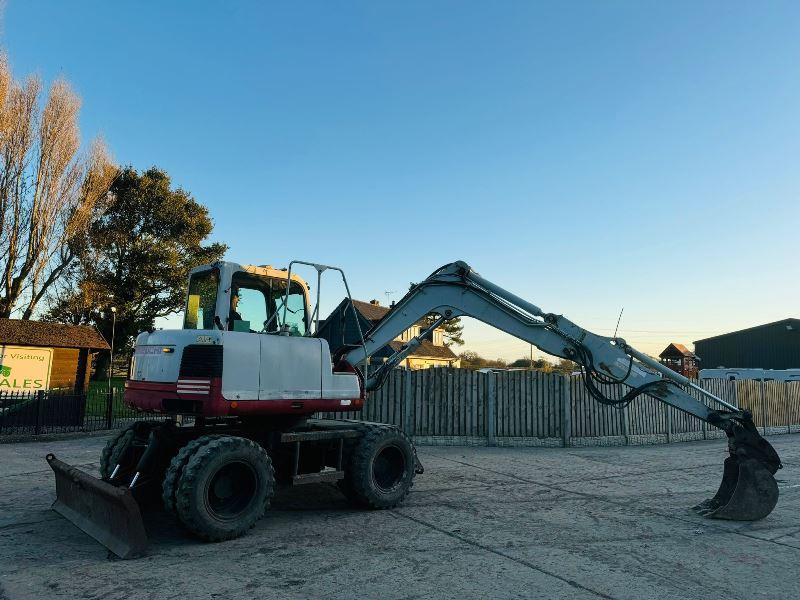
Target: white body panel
291, 367
152, 363
254, 366
343, 386
240, 365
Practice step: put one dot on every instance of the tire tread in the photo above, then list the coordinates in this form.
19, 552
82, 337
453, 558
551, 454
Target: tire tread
189, 479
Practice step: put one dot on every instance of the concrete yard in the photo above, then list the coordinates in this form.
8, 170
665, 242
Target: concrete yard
609, 522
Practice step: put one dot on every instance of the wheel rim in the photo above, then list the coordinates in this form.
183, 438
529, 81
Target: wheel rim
388, 468
231, 490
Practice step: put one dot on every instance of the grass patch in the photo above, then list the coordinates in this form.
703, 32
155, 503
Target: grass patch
97, 398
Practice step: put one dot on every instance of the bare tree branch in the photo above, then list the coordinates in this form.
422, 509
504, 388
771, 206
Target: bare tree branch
50, 192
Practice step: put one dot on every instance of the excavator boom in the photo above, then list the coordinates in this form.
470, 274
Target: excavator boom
748, 490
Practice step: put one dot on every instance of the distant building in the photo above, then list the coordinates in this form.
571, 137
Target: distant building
770, 346
680, 359
338, 331
46, 356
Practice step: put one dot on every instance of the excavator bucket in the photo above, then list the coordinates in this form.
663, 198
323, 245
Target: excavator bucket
748, 491
108, 513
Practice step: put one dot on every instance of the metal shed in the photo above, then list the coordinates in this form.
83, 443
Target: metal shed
770, 346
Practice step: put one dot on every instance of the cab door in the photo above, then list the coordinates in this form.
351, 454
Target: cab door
291, 363
291, 368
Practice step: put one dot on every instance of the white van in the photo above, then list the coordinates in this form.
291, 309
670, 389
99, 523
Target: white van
757, 374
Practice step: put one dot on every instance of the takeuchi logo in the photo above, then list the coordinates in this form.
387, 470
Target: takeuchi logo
5, 371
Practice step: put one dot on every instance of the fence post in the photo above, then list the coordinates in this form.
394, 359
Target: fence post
408, 403
38, 426
668, 408
566, 414
763, 408
785, 386
110, 407
491, 405
626, 424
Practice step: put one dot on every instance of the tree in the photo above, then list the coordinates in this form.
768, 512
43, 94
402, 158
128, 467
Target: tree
139, 254
566, 367
453, 329
49, 192
472, 360
540, 364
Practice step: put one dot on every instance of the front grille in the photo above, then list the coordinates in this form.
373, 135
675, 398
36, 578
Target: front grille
200, 360
182, 407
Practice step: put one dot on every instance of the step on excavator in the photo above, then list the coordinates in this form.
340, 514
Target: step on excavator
237, 387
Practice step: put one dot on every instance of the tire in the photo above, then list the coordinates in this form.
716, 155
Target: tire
380, 469
224, 488
110, 455
175, 470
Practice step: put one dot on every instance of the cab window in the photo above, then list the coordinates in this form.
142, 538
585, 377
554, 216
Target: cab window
248, 304
257, 306
201, 302
294, 315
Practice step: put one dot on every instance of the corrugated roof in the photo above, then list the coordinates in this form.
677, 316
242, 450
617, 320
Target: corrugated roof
16, 332
795, 323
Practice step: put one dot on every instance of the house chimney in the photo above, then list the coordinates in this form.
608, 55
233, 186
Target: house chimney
374, 303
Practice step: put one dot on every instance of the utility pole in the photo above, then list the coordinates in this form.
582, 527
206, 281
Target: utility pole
113, 331
618, 321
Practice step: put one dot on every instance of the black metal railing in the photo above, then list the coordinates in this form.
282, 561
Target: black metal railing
62, 411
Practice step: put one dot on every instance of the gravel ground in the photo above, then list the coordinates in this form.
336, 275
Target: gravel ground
481, 522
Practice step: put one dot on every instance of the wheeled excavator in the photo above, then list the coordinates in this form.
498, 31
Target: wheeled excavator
239, 384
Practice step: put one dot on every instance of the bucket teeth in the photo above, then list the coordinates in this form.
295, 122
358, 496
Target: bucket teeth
706, 507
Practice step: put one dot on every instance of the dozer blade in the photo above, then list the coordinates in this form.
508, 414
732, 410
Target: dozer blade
107, 513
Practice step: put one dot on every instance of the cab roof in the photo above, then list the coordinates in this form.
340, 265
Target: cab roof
270, 271
258, 270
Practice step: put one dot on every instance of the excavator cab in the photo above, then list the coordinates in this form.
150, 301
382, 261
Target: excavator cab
247, 299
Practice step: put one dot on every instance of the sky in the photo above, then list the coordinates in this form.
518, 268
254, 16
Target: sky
587, 156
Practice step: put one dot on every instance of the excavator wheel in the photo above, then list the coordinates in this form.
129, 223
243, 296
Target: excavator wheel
224, 487
380, 469
175, 470
114, 448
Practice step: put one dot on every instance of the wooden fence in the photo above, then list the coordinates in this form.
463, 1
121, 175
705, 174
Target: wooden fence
457, 406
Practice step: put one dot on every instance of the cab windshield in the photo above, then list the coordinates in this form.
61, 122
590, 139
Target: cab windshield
201, 302
258, 305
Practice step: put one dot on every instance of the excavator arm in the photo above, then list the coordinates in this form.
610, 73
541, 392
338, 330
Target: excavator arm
748, 490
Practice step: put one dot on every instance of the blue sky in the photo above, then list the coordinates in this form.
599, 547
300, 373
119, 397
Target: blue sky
585, 155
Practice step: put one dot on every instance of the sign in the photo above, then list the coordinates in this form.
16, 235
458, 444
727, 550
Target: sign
24, 369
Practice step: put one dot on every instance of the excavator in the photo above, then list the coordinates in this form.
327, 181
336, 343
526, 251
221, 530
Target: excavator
238, 387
